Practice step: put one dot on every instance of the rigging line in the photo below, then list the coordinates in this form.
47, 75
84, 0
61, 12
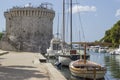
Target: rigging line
77, 29
80, 21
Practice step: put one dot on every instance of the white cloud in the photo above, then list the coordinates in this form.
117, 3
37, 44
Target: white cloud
77, 8
28, 5
117, 13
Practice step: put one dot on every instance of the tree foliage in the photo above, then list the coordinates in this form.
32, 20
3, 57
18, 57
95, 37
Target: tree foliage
113, 35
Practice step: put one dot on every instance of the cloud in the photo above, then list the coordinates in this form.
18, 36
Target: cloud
28, 5
117, 13
78, 8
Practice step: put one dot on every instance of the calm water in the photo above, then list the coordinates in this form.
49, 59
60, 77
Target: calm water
112, 63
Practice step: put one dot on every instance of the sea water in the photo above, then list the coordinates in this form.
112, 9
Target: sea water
111, 62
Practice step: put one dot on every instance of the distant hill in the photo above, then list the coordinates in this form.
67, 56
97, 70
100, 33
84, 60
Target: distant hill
113, 35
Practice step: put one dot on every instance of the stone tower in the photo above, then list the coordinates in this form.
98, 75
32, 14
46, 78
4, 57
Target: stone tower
29, 28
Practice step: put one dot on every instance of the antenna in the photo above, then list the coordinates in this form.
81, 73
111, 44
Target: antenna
46, 5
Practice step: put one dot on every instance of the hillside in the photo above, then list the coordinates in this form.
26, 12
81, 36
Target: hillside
113, 35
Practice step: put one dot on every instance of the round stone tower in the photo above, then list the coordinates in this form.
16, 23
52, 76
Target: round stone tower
29, 28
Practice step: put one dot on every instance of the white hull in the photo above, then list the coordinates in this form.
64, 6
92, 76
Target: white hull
115, 52
64, 60
95, 49
51, 53
102, 51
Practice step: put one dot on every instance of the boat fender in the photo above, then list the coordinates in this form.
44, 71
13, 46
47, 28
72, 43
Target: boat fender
58, 64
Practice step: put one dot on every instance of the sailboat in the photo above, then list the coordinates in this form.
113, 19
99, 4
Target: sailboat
86, 69
68, 54
54, 47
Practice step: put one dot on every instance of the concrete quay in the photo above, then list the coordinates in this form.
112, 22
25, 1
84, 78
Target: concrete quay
3, 52
27, 66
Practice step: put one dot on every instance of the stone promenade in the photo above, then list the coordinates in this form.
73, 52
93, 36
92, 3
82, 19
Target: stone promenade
26, 66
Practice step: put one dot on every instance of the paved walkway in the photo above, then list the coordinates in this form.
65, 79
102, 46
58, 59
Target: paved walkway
23, 66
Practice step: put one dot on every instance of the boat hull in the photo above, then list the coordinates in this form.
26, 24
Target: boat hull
51, 53
89, 74
96, 73
66, 59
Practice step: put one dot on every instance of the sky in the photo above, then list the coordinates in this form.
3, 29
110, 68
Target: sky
91, 18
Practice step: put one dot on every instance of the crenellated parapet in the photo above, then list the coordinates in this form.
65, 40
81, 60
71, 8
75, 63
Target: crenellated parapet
30, 11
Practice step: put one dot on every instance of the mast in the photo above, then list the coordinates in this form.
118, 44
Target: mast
58, 27
71, 23
85, 53
63, 23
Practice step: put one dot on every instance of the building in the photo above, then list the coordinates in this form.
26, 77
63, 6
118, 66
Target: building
28, 28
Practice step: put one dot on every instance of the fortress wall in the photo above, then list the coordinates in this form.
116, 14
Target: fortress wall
29, 29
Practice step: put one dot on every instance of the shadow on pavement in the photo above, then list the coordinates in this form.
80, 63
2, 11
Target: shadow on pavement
20, 73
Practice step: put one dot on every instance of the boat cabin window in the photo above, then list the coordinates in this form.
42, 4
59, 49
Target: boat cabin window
56, 47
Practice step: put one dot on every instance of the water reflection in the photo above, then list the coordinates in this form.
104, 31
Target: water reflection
113, 66
112, 63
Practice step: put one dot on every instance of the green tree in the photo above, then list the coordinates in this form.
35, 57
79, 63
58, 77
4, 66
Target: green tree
113, 35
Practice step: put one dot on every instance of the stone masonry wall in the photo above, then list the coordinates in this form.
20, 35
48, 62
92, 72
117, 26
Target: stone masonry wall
29, 29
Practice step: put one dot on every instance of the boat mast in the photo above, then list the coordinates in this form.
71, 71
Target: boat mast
58, 27
71, 23
85, 53
63, 22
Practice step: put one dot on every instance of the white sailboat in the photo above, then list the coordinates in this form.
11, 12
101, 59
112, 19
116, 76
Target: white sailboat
102, 50
116, 51
67, 55
55, 46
